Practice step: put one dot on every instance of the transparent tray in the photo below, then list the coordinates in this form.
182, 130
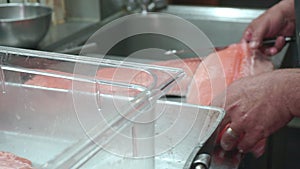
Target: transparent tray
61, 124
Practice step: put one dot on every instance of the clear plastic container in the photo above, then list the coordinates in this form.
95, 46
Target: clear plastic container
51, 102
65, 111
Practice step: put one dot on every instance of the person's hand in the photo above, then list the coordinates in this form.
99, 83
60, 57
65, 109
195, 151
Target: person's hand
278, 21
256, 107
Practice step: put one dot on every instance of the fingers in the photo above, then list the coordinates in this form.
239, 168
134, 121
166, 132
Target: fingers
279, 44
259, 149
269, 24
236, 134
248, 141
233, 137
252, 38
255, 40
230, 137
255, 32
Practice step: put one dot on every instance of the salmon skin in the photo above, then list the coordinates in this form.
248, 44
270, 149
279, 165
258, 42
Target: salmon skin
11, 161
220, 69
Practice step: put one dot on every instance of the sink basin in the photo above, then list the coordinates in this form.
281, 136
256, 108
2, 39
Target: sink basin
223, 26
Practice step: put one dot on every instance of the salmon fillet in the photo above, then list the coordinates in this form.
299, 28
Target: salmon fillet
200, 85
11, 161
121, 75
128, 76
220, 69
189, 66
51, 82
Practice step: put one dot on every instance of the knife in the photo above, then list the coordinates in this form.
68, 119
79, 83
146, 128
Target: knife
271, 41
265, 42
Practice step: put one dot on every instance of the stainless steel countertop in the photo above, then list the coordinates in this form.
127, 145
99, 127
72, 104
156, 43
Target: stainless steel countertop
242, 15
62, 31
62, 35
73, 33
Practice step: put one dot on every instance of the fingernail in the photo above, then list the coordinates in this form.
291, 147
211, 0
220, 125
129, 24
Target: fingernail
270, 52
273, 51
248, 34
253, 44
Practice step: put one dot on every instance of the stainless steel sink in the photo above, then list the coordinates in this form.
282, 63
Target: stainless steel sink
223, 26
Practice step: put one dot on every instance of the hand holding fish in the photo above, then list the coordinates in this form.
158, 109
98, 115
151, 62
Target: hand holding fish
257, 106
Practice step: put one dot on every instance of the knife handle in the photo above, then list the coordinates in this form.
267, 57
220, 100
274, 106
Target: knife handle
271, 41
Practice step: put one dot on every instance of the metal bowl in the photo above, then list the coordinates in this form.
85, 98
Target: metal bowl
23, 25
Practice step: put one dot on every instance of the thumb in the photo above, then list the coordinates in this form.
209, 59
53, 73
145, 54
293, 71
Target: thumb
255, 33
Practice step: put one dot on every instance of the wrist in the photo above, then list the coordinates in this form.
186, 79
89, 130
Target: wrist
287, 8
290, 79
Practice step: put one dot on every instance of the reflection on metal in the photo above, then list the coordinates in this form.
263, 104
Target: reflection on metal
202, 161
146, 5
78, 10
2, 80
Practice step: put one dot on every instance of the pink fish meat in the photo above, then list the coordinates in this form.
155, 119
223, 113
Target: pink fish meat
124, 75
11, 161
220, 69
